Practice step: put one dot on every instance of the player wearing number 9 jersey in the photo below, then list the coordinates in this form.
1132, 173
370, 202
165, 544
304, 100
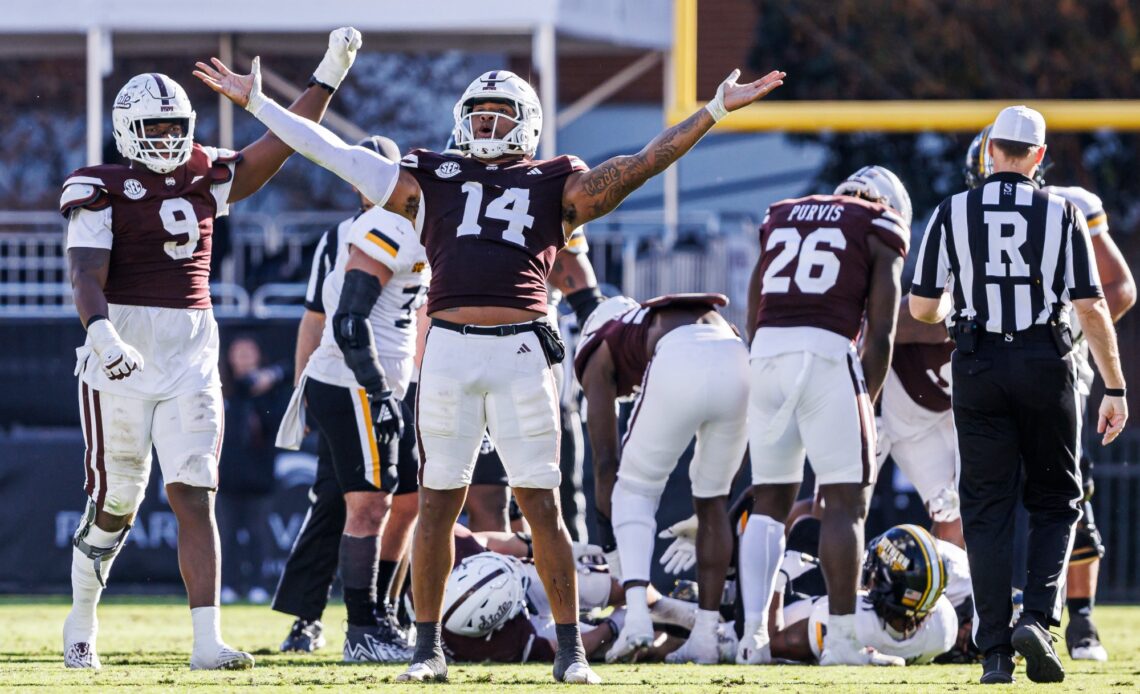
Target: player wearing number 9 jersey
138, 243
491, 221
829, 267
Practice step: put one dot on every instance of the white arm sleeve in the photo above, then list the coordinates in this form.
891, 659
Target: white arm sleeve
90, 229
373, 175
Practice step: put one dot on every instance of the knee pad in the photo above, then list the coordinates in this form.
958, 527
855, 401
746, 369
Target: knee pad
1087, 543
97, 554
945, 507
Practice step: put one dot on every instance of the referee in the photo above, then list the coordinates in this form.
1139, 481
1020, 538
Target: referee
1013, 260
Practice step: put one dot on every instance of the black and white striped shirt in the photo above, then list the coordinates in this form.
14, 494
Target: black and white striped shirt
1013, 255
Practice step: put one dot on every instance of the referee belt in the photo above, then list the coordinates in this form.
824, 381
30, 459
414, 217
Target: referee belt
1038, 334
499, 330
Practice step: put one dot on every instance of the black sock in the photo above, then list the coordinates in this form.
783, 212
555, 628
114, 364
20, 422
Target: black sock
570, 649
358, 557
1080, 606
429, 647
385, 573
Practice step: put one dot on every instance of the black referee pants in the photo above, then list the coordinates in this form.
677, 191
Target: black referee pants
1017, 414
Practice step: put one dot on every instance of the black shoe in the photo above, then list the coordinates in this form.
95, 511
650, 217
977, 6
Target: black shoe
1034, 641
305, 637
998, 669
1083, 640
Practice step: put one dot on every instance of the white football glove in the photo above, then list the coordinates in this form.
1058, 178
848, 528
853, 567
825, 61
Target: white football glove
119, 359
343, 44
682, 554
583, 549
946, 507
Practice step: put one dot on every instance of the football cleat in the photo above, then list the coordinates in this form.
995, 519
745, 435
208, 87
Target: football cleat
633, 641
375, 644
844, 652
1035, 642
726, 642
696, 649
1083, 641
226, 659
580, 673
754, 648
81, 655
424, 672
305, 637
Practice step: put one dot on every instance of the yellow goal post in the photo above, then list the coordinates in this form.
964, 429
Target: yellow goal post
889, 116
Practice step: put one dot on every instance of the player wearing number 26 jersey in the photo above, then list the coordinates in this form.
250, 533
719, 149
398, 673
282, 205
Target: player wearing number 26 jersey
829, 267
139, 239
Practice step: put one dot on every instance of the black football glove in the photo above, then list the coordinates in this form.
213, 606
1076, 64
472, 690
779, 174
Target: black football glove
389, 421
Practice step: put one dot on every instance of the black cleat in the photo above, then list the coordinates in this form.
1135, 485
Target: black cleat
305, 637
998, 669
1034, 641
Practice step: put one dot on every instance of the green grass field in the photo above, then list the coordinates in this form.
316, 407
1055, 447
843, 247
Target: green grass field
144, 644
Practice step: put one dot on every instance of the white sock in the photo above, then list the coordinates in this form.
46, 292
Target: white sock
761, 552
705, 625
636, 603
635, 525
207, 630
82, 624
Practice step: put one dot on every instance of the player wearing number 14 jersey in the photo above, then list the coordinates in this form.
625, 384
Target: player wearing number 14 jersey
492, 220
138, 246
829, 267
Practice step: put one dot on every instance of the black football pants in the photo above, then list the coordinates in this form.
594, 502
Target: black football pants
1017, 413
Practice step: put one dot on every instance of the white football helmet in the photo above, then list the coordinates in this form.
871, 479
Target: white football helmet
606, 311
147, 98
878, 184
483, 593
511, 89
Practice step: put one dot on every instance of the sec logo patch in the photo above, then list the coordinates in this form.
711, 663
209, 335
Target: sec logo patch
133, 189
447, 169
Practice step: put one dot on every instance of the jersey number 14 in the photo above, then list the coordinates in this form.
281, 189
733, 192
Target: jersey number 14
511, 207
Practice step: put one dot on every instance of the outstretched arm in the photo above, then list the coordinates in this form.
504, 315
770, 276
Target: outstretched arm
591, 194
377, 178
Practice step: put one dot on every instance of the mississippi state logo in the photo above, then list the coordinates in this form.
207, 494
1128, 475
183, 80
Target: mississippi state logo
170, 181
133, 189
447, 169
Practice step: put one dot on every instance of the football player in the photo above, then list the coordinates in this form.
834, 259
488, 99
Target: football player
829, 266
139, 241
660, 349
492, 221
1081, 635
916, 426
377, 283
906, 612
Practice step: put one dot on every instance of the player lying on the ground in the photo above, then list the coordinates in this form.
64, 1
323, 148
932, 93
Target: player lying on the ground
689, 368
139, 240
495, 607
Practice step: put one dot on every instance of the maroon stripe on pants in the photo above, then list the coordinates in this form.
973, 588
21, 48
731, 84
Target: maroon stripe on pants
419, 390
864, 430
88, 471
99, 463
637, 405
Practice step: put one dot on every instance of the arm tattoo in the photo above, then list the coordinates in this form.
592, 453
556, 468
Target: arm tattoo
607, 185
412, 207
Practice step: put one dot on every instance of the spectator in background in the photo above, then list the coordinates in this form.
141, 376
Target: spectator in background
253, 404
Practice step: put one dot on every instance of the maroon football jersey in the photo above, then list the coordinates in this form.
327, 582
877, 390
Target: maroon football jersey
919, 368
491, 231
625, 335
815, 262
162, 225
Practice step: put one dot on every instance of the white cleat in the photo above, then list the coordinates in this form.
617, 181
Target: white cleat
1094, 652
81, 655
226, 659
580, 673
696, 649
754, 648
421, 672
726, 642
843, 653
633, 641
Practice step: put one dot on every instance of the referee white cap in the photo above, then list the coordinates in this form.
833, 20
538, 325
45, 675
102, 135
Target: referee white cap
1019, 124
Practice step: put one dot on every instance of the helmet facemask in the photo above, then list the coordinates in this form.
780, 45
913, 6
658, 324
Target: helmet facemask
152, 99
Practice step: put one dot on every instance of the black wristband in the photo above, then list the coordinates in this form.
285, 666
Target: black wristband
584, 301
95, 318
313, 81
525, 537
1115, 392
